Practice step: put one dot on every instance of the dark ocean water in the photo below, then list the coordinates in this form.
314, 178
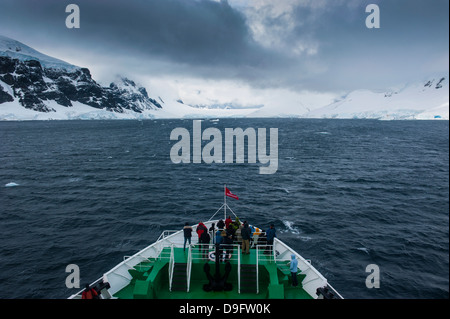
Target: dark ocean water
347, 193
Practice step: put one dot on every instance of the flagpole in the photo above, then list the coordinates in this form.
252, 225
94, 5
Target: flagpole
225, 202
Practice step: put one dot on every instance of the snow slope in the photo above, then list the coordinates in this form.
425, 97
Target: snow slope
428, 99
17, 50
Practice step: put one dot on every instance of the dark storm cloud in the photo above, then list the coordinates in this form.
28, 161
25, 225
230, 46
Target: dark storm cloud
197, 32
214, 40
412, 41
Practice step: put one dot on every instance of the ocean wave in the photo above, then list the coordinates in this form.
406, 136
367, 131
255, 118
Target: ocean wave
283, 189
323, 133
364, 249
290, 228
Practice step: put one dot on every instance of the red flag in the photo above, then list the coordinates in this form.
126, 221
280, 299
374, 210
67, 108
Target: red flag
229, 194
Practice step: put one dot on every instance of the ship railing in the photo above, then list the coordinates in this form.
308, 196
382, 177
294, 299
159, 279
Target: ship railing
204, 252
257, 239
165, 254
313, 280
171, 266
166, 233
189, 268
265, 254
239, 267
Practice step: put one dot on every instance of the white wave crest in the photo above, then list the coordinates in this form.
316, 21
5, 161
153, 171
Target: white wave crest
290, 228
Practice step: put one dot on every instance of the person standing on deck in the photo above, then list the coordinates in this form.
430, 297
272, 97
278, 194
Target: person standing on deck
221, 224
255, 235
228, 221
212, 232
246, 234
271, 233
293, 268
200, 229
205, 240
218, 243
187, 234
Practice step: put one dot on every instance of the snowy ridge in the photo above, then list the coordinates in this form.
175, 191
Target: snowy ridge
17, 50
428, 99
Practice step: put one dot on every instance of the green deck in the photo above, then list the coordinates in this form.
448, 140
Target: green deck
151, 280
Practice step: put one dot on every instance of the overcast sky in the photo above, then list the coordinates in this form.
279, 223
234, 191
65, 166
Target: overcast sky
294, 45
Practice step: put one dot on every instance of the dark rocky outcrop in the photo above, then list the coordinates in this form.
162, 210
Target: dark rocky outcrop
32, 85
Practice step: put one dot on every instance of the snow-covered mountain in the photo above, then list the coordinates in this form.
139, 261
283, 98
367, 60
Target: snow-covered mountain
425, 99
36, 86
16, 50
428, 99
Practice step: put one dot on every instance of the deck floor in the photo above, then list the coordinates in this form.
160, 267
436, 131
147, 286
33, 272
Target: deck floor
196, 285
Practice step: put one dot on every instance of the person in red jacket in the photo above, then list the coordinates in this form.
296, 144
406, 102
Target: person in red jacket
228, 221
89, 293
200, 229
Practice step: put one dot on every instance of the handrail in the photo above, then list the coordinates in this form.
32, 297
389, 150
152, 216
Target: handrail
239, 268
166, 233
274, 253
189, 268
198, 250
257, 270
265, 257
171, 266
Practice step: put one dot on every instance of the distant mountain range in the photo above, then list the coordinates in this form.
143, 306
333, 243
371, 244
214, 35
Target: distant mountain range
427, 99
34, 86
32, 81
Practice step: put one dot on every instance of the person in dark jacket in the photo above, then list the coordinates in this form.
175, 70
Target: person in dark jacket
271, 233
218, 241
221, 224
212, 232
227, 245
187, 234
246, 234
205, 239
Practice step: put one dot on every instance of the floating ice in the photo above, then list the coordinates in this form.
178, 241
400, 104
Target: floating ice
12, 184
